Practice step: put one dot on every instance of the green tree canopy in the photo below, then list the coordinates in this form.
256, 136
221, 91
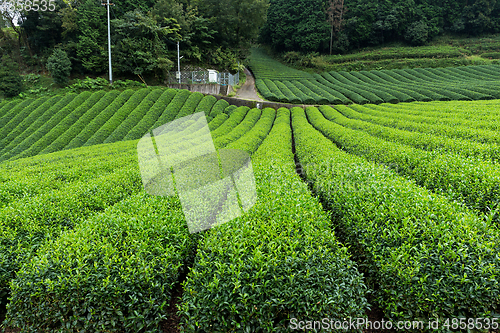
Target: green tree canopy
59, 67
139, 44
299, 25
11, 83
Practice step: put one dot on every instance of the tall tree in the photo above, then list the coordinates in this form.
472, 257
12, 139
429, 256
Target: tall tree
297, 25
335, 12
92, 36
10, 81
140, 44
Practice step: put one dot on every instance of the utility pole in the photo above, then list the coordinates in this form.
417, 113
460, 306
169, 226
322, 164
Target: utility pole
109, 44
178, 62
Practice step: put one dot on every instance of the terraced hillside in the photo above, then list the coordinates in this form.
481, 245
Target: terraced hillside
111, 254
45, 125
404, 217
376, 86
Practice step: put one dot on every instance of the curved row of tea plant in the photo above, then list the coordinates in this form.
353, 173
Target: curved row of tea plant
424, 255
47, 124
277, 82
473, 181
423, 141
437, 126
277, 262
140, 245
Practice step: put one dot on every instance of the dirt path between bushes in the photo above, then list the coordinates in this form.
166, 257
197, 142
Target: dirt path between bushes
247, 91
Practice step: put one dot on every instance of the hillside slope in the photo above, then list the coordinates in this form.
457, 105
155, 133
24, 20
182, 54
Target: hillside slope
44, 125
376, 86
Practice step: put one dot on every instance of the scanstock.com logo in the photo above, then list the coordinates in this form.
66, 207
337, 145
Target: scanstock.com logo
179, 158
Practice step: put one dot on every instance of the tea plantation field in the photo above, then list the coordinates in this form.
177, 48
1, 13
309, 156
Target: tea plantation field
277, 82
386, 206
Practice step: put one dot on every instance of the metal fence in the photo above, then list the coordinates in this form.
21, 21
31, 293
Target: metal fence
203, 77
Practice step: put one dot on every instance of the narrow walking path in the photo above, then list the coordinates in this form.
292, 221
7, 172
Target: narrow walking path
247, 91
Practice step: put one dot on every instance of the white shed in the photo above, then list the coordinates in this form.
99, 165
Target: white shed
212, 76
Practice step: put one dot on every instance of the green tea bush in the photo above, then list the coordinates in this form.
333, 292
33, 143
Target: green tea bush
264, 67
118, 269
264, 91
35, 176
472, 181
26, 224
172, 110
332, 96
234, 120
306, 99
75, 129
18, 124
206, 105
39, 139
134, 117
251, 140
28, 146
290, 96
190, 105
147, 122
42, 145
423, 141
38, 127
277, 262
454, 128
7, 106
218, 108
230, 109
423, 255
101, 113
246, 125
275, 91
317, 99
217, 121
328, 81
118, 117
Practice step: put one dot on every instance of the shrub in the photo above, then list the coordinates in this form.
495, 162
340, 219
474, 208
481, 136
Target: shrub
235, 118
151, 116
425, 141
109, 262
31, 221
251, 118
417, 33
420, 250
277, 262
56, 133
11, 83
76, 129
173, 108
217, 121
473, 181
291, 98
218, 108
31, 145
24, 141
24, 118
230, 109
252, 139
59, 67
190, 105
134, 117
206, 105
117, 116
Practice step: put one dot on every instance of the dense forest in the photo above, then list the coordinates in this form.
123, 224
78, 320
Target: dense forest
144, 34
311, 25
